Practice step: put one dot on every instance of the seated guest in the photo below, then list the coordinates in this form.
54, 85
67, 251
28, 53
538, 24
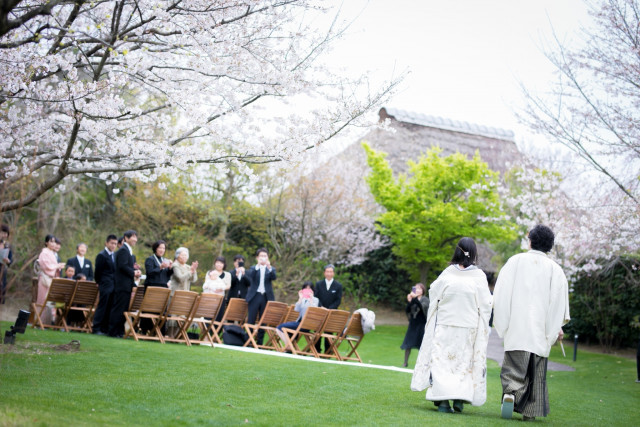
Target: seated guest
81, 277
305, 300
81, 264
183, 275
157, 268
69, 272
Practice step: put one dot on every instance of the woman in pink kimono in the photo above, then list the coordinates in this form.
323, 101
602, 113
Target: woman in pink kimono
49, 268
452, 361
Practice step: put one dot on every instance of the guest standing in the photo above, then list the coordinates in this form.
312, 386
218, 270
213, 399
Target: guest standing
183, 275
531, 304
157, 268
80, 264
239, 281
105, 278
50, 267
417, 309
125, 277
329, 292
5, 261
261, 277
452, 362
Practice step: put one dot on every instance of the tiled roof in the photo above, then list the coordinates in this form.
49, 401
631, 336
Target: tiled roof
448, 124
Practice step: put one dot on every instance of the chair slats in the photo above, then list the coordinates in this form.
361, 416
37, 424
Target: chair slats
207, 310
180, 310
84, 301
353, 335
333, 328
236, 313
273, 314
152, 307
310, 328
60, 291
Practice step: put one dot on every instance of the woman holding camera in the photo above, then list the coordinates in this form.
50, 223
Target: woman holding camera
417, 308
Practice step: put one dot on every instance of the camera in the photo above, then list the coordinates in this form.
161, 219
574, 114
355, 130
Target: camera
413, 290
240, 263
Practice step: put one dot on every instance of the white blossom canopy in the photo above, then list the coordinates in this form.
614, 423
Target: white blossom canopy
122, 88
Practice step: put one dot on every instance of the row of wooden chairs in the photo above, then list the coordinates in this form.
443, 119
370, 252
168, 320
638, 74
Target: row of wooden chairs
335, 326
187, 308
72, 296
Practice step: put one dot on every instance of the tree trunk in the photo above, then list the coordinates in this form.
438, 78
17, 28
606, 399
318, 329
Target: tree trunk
227, 201
423, 267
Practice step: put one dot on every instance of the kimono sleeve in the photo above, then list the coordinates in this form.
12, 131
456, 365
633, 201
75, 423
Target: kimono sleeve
558, 314
502, 297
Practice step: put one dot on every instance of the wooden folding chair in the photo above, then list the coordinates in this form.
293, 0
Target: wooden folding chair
60, 291
236, 313
137, 294
272, 316
310, 328
84, 300
333, 329
180, 310
152, 307
353, 334
292, 315
204, 314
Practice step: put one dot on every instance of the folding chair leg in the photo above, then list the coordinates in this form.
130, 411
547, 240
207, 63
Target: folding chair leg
37, 320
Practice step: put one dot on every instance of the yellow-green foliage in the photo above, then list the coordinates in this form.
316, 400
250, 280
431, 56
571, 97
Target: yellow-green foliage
441, 200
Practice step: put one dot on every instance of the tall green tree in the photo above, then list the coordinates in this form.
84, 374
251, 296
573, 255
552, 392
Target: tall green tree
439, 201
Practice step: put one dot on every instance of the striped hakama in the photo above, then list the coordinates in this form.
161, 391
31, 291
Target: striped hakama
524, 375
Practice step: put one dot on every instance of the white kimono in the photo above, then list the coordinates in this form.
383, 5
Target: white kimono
531, 303
452, 363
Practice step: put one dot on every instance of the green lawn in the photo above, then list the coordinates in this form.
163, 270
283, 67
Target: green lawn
117, 382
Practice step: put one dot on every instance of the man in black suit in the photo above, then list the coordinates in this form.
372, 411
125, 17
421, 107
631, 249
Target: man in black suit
261, 289
239, 281
81, 265
126, 274
105, 278
329, 293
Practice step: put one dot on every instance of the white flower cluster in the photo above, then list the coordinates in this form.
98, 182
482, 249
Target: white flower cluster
591, 226
131, 86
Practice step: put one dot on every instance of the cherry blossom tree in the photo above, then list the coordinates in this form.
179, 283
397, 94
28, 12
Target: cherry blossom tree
132, 88
591, 227
595, 106
324, 215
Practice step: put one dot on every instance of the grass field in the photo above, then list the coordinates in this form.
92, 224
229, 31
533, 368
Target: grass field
117, 382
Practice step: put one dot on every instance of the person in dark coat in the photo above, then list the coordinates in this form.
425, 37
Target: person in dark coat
417, 309
260, 291
329, 293
125, 276
239, 280
105, 278
5, 260
157, 268
80, 263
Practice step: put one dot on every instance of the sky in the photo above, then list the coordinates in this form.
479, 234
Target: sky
465, 58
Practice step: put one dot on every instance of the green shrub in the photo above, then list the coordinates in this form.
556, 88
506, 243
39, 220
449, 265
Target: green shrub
603, 304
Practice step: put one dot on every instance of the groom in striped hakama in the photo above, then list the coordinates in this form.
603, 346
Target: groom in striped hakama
531, 304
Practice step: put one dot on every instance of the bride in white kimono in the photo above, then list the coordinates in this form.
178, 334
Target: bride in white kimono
452, 363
